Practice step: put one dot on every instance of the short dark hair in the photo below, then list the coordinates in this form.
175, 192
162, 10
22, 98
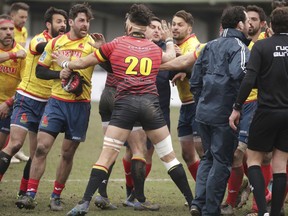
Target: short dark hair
154, 18
258, 10
139, 14
5, 17
51, 11
231, 16
18, 6
186, 16
80, 8
279, 20
279, 3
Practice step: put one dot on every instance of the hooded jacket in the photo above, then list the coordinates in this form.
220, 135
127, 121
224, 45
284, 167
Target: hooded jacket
217, 75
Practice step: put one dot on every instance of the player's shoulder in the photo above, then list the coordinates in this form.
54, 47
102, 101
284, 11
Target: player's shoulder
18, 46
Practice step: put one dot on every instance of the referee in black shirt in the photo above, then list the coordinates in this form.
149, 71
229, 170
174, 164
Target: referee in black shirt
268, 70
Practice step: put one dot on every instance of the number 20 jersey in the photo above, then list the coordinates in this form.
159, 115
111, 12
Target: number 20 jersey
135, 63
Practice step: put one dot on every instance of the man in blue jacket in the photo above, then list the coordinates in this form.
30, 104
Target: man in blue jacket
215, 82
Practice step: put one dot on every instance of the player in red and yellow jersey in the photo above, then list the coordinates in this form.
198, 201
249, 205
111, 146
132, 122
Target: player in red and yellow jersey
19, 14
12, 65
182, 25
65, 111
32, 94
135, 63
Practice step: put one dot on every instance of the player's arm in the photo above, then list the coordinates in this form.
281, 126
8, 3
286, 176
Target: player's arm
21, 54
5, 107
80, 63
40, 47
180, 63
45, 73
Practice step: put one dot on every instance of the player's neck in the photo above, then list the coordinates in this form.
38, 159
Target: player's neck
255, 37
6, 48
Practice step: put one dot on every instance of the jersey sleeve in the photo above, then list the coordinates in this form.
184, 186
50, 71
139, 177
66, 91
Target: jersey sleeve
34, 42
104, 52
46, 57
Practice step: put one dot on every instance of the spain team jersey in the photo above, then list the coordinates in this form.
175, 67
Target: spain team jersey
75, 49
30, 84
253, 94
198, 50
20, 35
11, 72
135, 63
262, 36
189, 45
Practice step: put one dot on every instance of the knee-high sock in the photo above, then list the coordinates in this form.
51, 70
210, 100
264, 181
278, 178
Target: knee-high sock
234, 184
267, 174
278, 192
138, 171
103, 186
257, 183
32, 187
128, 177
98, 174
4, 163
57, 190
148, 169
25, 178
178, 175
193, 169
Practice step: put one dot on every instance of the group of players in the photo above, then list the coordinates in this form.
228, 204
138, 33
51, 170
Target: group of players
42, 107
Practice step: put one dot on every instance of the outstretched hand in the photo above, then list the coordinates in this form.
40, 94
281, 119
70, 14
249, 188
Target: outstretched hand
166, 30
59, 58
99, 40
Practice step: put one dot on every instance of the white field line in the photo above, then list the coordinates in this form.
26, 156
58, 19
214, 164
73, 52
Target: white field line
86, 180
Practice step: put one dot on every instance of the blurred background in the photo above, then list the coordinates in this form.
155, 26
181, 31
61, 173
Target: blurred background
109, 20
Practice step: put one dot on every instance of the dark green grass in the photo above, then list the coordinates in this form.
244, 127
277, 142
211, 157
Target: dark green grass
158, 187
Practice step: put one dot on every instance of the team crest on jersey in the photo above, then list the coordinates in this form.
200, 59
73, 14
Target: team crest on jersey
43, 56
81, 46
40, 40
24, 118
44, 121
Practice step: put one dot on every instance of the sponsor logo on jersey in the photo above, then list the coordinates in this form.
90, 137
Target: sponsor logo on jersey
81, 46
6, 69
40, 40
43, 56
72, 53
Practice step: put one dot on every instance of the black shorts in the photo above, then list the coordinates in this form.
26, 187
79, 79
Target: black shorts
269, 129
106, 104
138, 108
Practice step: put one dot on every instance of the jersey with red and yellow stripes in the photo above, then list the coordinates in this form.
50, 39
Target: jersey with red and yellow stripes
135, 63
75, 49
189, 45
30, 84
11, 72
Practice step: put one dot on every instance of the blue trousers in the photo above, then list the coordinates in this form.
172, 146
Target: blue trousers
219, 143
